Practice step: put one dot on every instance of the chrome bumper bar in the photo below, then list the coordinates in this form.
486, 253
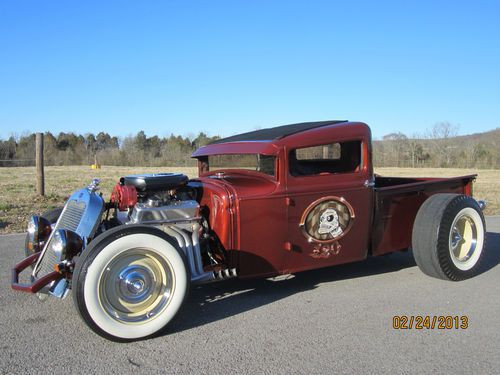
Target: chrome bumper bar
37, 284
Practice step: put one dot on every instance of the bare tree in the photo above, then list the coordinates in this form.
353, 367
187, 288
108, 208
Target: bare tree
398, 143
442, 147
415, 149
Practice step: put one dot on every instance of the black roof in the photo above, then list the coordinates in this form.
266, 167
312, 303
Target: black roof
277, 132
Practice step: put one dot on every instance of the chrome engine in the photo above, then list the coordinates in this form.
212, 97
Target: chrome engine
174, 211
155, 199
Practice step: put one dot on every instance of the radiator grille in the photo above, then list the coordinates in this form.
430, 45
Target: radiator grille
70, 219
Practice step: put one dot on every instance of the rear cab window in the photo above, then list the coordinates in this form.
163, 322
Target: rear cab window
329, 158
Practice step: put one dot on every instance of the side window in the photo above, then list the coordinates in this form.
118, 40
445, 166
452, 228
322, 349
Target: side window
343, 157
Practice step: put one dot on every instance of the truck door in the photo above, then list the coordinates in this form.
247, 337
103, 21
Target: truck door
329, 199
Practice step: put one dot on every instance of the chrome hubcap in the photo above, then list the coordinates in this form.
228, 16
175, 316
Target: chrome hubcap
456, 237
136, 285
463, 238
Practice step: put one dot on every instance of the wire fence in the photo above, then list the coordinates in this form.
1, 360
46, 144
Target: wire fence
17, 162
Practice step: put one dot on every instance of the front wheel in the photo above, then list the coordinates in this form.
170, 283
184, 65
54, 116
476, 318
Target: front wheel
130, 283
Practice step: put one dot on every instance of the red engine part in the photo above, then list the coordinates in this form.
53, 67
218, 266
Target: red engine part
124, 196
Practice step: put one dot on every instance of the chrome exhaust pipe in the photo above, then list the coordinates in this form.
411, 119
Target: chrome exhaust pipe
224, 274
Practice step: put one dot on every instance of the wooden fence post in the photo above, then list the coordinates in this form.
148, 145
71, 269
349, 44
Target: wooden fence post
40, 176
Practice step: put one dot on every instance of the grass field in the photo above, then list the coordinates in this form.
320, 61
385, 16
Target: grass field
18, 199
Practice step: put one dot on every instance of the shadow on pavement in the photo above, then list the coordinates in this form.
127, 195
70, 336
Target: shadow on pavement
212, 302
492, 255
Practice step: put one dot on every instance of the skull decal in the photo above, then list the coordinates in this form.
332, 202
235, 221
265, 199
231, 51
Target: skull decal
327, 220
329, 223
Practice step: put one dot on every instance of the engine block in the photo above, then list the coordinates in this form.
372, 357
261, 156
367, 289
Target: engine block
173, 212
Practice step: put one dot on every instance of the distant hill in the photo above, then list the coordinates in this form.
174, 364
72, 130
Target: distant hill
440, 148
491, 136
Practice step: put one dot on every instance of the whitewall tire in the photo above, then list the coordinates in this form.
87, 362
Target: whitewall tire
130, 283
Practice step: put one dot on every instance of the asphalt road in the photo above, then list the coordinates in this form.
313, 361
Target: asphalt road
336, 320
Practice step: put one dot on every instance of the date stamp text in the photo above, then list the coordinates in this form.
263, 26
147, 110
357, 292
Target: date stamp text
430, 322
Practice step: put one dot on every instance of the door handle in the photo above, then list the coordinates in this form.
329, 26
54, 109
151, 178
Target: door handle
369, 183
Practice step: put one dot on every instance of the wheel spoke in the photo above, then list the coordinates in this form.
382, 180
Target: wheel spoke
456, 237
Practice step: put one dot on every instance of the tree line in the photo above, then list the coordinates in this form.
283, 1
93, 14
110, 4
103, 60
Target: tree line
438, 147
75, 149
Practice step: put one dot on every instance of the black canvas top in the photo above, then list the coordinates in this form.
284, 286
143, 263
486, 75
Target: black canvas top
277, 132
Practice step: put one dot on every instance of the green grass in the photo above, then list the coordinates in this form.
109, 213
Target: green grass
6, 206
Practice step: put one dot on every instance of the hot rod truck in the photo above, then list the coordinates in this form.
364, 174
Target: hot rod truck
273, 201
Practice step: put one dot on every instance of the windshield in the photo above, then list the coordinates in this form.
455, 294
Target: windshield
255, 162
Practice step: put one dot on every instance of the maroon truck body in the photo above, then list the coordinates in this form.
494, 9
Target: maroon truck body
258, 217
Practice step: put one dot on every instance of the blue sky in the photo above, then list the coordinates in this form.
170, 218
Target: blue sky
224, 67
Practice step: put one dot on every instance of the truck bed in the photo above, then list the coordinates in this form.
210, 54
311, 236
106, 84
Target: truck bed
397, 201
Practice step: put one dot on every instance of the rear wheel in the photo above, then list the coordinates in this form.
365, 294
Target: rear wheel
130, 283
449, 236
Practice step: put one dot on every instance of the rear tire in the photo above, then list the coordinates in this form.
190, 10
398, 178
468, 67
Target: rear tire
130, 283
449, 236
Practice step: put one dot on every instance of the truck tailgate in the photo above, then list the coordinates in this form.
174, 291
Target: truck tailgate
397, 201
